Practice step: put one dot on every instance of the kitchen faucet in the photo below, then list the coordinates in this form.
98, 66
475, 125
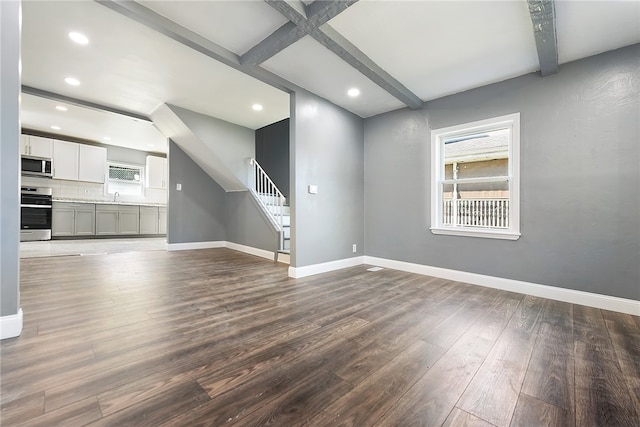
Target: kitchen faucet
115, 196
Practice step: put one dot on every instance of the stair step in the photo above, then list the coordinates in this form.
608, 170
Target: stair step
275, 209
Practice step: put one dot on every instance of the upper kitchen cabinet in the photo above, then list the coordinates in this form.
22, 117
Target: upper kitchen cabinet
79, 162
92, 163
65, 160
36, 146
156, 171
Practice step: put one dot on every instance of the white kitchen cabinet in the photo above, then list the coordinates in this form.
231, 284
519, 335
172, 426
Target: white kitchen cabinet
24, 145
65, 160
156, 171
148, 220
73, 219
92, 163
162, 220
36, 146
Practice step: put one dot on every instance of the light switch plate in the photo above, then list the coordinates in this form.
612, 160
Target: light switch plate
313, 189
179, 187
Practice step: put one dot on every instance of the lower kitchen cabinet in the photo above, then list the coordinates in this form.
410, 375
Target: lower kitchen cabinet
73, 219
148, 220
88, 219
117, 219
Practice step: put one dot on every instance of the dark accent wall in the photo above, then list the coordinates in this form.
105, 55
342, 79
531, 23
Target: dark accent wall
580, 179
272, 153
197, 213
326, 151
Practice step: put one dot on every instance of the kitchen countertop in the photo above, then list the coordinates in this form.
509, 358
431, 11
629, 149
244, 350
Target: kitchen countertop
107, 202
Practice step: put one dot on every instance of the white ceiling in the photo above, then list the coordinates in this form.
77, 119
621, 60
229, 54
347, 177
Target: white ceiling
433, 48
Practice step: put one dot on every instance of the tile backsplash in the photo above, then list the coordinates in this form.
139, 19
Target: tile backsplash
89, 191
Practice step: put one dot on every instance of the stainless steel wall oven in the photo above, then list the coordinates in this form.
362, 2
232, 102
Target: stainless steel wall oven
35, 213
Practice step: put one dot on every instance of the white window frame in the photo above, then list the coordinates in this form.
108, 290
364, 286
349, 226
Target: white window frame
438, 136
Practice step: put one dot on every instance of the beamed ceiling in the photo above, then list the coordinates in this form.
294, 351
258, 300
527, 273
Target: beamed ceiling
221, 57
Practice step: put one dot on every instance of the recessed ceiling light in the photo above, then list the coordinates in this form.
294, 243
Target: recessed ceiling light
72, 81
150, 145
257, 107
78, 37
353, 92
61, 108
54, 127
106, 138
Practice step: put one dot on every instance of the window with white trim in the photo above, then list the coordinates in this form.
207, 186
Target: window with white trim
475, 183
125, 179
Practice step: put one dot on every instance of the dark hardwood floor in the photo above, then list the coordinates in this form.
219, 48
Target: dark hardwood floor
216, 337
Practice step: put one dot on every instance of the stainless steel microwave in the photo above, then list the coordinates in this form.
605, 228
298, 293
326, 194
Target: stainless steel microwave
36, 166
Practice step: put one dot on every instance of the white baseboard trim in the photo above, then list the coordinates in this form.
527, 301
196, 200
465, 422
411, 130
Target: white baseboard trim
310, 270
11, 326
250, 250
221, 244
284, 258
195, 245
605, 302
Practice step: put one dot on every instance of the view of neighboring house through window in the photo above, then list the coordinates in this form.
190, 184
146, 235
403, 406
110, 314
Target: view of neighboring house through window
475, 182
125, 179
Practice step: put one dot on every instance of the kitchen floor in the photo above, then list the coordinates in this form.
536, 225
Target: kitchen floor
90, 247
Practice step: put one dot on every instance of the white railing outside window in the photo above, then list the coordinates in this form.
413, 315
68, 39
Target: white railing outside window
483, 213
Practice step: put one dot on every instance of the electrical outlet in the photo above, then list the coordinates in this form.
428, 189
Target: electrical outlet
355, 248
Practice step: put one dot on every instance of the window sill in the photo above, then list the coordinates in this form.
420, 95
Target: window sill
476, 232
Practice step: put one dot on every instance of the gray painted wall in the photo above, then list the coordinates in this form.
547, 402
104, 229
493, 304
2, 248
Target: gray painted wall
220, 147
9, 158
197, 213
580, 182
247, 224
327, 151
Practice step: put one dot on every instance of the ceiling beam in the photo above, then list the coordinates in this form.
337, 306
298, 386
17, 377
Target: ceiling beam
543, 18
346, 50
82, 103
300, 18
176, 32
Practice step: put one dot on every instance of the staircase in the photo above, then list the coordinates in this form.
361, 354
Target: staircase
273, 203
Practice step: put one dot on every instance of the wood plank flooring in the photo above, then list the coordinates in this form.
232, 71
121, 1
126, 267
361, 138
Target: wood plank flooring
216, 338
